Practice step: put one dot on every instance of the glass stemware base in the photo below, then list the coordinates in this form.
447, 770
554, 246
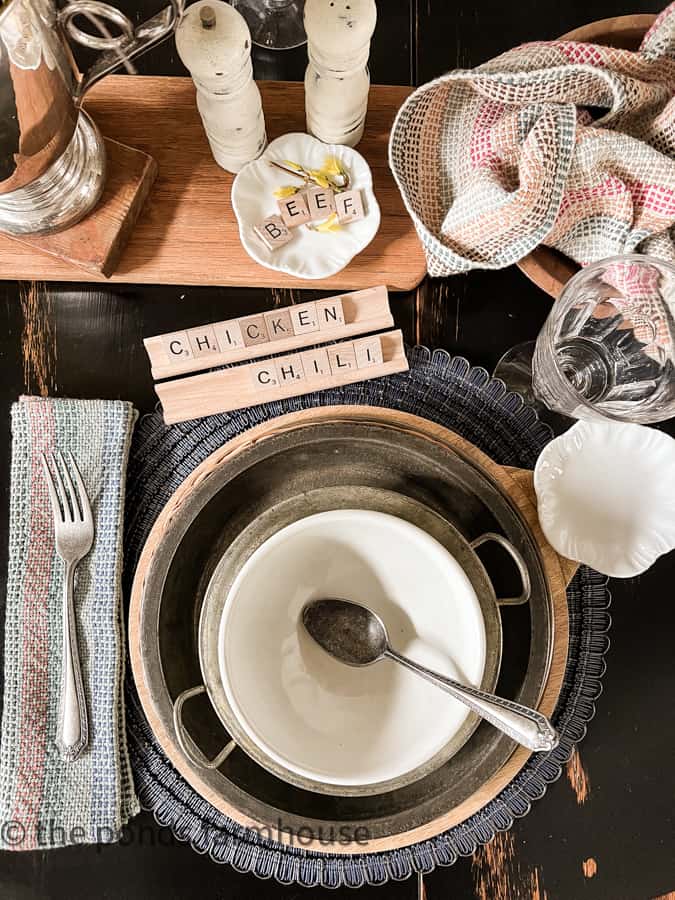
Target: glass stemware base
274, 24
515, 370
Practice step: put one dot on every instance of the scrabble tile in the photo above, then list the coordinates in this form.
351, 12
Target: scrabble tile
349, 206
203, 341
279, 324
263, 375
229, 336
320, 202
304, 318
294, 210
289, 369
368, 352
254, 330
342, 358
330, 312
272, 232
177, 345
315, 363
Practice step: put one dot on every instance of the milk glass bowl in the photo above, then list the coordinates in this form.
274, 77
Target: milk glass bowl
606, 496
607, 349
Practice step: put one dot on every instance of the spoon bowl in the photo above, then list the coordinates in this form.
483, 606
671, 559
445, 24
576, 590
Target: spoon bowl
357, 636
351, 633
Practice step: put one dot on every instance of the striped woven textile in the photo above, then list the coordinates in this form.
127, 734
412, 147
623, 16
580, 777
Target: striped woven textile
567, 144
44, 801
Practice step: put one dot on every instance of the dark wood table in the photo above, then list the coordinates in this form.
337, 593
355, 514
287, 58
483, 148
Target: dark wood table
603, 832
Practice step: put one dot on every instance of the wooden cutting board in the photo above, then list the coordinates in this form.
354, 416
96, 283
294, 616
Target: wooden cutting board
187, 232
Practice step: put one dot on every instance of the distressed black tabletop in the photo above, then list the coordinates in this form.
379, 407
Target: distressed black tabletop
603, 832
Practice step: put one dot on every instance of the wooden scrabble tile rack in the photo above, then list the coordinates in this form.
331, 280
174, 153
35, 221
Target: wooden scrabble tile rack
280, 377
187, 232
276, 331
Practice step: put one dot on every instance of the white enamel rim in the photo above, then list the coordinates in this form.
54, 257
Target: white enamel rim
316, 717
606, 496
310, 255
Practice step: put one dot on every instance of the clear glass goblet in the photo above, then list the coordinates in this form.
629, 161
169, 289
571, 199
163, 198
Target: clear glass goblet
274, 24
607, 348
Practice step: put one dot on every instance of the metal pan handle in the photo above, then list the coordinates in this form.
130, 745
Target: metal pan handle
518, 560
185, 742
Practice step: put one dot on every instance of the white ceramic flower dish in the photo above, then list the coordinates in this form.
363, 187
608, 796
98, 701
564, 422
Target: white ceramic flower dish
311, 254
606, 496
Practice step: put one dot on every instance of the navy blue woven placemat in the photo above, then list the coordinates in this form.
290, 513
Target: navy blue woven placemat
450, 392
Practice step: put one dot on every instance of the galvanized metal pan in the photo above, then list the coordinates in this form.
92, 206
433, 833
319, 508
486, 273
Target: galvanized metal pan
252, 488
292, 510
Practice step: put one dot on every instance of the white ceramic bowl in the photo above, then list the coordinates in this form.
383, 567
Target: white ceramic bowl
310, 713
310, 254
606, 496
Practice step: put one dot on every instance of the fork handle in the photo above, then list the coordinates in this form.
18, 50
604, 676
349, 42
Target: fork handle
72, 733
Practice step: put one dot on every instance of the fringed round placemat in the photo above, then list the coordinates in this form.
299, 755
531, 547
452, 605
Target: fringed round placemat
453, 394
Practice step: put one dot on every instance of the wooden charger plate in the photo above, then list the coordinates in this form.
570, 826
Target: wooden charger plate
516, 485
546, 267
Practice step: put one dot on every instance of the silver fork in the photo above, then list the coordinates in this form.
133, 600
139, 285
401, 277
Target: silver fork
74, 534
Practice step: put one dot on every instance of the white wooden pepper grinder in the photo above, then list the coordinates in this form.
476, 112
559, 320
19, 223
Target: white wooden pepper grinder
214, 43
337, 78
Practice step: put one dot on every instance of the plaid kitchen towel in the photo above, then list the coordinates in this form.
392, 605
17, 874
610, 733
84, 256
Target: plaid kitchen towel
567, 144
44, 801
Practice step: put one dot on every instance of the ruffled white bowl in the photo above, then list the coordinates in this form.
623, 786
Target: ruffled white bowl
606, 496
310, 254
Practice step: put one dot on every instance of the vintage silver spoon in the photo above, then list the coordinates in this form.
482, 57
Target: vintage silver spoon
356, 636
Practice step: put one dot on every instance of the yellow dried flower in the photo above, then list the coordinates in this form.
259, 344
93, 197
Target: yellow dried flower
332, 166
331, 224
286, 191
320, 178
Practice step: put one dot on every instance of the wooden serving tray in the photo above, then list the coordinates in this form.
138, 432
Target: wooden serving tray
187, 232
515, 483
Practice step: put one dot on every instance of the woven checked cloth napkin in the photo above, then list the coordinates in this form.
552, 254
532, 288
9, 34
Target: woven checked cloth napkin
44, 801
567, 144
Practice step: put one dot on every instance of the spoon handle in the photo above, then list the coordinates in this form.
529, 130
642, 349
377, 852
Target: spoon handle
527, 726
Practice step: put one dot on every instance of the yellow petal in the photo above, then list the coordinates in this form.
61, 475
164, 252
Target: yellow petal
331, 224
319, 177
286, 191
292, 165
332, 166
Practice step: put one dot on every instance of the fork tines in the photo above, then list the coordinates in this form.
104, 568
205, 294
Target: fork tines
66, 489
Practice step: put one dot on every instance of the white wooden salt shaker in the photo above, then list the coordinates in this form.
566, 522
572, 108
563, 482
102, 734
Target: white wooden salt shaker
214, 43
337, 78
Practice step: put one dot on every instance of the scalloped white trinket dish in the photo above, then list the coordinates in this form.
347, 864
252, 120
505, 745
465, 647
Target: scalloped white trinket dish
310, 254
606, 496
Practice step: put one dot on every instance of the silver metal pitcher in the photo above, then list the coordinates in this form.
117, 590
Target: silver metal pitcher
52, 156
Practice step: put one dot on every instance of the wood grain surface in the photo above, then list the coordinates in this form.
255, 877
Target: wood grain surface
188, 233
85, 340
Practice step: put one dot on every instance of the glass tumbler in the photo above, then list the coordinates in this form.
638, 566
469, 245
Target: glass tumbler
607, 349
